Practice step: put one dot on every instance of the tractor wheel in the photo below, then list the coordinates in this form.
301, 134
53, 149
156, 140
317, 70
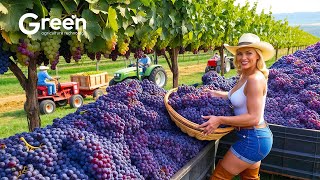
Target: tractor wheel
97, 93
47, 107
231, 63
218, 69
76, 101
159, 76
227, 67
112, 82
207, 69
62, 103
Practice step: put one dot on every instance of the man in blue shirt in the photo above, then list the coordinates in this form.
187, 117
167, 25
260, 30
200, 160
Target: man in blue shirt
42, 76
144, 62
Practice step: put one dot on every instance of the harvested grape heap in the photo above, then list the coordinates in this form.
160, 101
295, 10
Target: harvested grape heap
212, 80
294, 90
293, 97
192, 103
126, 134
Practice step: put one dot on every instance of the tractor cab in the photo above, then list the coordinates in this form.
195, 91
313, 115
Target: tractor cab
154, 73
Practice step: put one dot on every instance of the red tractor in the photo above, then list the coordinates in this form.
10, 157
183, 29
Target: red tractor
72, 92
67, 93
215, 64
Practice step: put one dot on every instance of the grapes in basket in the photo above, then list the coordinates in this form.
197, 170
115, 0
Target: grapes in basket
192, 103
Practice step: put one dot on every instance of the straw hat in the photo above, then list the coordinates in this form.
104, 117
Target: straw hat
252, 40
43, 68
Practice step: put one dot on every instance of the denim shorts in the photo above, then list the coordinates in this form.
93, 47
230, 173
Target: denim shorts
252, 145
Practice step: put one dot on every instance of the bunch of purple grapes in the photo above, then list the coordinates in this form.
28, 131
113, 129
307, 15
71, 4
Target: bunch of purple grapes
64, 49
4, 60
138, 53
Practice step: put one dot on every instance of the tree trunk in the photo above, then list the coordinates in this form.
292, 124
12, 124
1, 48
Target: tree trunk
30, 86
175, 69
222, 60
277, 49
288, 50
97, 65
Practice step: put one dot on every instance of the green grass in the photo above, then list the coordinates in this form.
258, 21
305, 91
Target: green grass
16, 121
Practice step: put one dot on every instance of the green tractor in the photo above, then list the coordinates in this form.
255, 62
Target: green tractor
154, 73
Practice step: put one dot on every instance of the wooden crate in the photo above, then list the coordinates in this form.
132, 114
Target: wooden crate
90, 82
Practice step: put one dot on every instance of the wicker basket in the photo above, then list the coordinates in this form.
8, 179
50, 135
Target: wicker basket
191, 128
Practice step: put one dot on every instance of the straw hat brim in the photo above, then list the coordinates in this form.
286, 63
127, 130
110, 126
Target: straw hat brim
266, 49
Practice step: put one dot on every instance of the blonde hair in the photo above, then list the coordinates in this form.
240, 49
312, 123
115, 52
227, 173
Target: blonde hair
261, 65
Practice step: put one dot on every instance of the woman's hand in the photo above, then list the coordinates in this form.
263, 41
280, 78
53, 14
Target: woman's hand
211, 125
212, 92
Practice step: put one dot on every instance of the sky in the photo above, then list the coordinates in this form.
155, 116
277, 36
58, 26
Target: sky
285, 6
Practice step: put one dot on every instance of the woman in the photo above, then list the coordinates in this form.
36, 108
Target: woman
248, 97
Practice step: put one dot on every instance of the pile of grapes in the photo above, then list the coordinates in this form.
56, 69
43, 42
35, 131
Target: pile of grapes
214, 81
293, 97
126, 134
192, 103
294, 90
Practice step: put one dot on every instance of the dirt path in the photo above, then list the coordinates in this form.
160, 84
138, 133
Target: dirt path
187, 70
11, 103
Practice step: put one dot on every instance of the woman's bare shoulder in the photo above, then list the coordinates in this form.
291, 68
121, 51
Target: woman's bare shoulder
257, 79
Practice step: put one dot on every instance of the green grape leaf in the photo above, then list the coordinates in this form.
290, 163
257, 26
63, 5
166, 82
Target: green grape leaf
139, 18
55, 11
77, 2
38, 35
151, 22
93, 28
126, 23
173, 19
122, 11
98, 7
173, 1
69, 6
129, 31
112, 18
99, 44
3, 9
9, 21
107, 33
184, 29
134, 4
146, 2
39, 9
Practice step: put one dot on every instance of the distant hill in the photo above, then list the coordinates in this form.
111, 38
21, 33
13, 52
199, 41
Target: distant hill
308, 21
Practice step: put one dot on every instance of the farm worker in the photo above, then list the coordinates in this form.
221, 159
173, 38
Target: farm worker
144, 62
216, 56
248, 97
42, 76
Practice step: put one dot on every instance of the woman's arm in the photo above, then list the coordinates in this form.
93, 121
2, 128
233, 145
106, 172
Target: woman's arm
254, 91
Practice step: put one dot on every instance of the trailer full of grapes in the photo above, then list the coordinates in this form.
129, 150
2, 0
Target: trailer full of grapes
90, 82
201, 166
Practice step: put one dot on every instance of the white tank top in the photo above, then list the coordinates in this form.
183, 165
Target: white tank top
239, 102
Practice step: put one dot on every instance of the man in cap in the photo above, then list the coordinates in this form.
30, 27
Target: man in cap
43, 76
